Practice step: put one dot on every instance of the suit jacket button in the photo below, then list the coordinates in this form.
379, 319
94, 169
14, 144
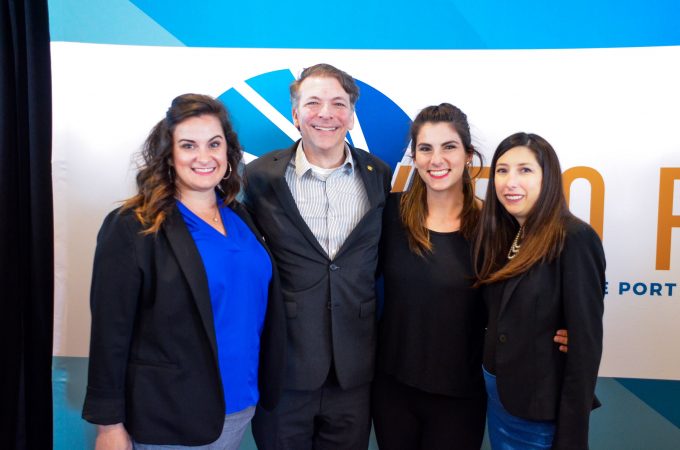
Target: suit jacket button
502, 339
333, 267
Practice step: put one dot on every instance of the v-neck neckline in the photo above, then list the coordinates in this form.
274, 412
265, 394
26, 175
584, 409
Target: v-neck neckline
204, 223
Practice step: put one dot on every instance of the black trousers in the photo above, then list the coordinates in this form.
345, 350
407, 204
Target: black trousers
406, 418
329, 418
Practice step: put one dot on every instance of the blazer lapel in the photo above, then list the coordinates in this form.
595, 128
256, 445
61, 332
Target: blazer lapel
509, 289
241, 211
245, 217
369, 175
374, 191
286, 199
191, 264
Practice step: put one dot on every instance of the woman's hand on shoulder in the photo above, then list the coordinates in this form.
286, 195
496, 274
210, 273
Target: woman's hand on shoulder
112, 437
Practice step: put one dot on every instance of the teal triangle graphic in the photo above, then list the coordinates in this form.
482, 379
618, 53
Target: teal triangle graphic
661, 395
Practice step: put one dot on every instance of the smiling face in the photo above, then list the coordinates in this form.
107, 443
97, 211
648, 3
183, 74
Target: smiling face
323, 115
199, 154
440, 157
517, 179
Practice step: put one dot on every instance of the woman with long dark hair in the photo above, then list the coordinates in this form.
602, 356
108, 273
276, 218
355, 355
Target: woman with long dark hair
187, 331
541, 269
428, 392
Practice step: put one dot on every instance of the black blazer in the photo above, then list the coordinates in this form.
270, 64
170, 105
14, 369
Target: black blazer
153, 354
536, 381
330, 304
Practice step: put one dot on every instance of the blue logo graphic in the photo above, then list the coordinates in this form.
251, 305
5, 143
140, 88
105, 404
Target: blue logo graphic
261, 113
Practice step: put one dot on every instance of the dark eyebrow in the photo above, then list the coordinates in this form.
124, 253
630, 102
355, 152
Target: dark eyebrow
217, 136
452, 141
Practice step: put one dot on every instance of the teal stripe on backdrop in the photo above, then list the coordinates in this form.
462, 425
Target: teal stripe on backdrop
661, 395
69, 381
71, 432
399, 24
625, 421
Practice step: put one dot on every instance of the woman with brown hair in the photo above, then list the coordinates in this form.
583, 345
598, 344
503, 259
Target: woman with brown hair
428, 392
541, 268
187, 334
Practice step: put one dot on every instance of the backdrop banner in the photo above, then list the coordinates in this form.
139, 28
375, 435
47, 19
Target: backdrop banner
611, 115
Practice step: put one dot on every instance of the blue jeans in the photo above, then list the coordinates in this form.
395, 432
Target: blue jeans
235, 425
508, 432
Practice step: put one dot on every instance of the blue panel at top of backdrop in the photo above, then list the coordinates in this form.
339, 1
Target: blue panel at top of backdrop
272, 86
256, 133
439, 24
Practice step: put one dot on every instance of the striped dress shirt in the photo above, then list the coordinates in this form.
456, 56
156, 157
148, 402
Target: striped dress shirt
331, 201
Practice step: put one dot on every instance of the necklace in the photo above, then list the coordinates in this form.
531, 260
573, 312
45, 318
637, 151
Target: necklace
514, 248
216, 216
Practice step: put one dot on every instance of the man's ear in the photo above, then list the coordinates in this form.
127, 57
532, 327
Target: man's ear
296, 122
350, 125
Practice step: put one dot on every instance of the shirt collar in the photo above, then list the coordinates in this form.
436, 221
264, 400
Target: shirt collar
302, 164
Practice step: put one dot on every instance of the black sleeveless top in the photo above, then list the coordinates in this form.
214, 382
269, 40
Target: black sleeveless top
431, 331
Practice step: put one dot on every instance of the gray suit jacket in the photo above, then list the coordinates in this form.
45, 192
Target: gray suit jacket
330, 303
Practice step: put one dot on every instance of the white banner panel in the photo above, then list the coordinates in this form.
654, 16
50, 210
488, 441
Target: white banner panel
611, 114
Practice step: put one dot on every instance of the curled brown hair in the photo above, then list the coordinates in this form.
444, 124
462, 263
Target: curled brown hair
156, 188
414, 201
544, 227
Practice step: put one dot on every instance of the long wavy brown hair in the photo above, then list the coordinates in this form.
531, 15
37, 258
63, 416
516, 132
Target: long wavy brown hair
156, 189
544, 227
413, 207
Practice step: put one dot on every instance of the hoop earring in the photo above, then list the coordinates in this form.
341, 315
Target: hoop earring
228, 171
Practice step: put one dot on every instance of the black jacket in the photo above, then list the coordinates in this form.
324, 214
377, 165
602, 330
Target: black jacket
153, 355
536, 381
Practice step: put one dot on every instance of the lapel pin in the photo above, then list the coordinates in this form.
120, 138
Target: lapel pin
370, 168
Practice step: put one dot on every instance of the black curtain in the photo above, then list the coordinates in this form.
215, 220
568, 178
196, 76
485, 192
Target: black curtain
26, 237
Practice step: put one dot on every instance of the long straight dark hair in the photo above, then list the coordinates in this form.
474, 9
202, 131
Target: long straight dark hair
544, 227
414, 201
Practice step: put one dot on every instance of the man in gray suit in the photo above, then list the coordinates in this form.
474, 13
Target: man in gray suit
319, 204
